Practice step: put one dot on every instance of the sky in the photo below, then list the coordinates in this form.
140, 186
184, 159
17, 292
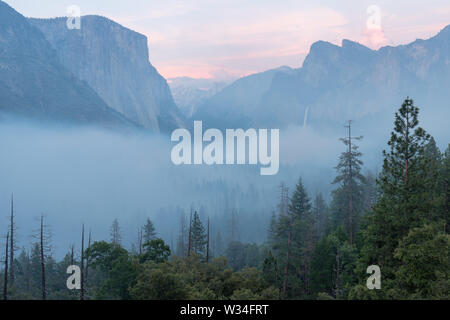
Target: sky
233, 38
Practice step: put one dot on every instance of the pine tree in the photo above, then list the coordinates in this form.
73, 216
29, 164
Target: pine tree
270, 270
321, 218
294, 244
116, 237
149, 231
198, 235
405, 194
347, 198
322, 265
182, 237
429, 248
439, 174
333, 265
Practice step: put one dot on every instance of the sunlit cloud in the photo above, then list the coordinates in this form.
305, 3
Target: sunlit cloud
224, 43
374, 38
198, 37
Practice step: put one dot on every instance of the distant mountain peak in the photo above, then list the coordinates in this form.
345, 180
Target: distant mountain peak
336, 83
325, 47
446, 29
114, 61
322, 46
322, 51
35, 85
445, 32
349, 44
284, 68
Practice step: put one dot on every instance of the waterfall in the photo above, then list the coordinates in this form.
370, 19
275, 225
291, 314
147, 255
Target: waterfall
305, 117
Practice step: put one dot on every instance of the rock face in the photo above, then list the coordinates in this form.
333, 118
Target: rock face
337, 83
190, 93
33, 83
114, 61
238, 104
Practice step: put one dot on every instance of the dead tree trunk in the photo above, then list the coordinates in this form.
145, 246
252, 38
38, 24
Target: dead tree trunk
87, 259
407, 147
207, 244
5, 284
234, 226
28, 274
44, 292
190, 232
287, 257
82, 264
12, 243
140, 241
71, 254
350, 219
283, 205
337, 275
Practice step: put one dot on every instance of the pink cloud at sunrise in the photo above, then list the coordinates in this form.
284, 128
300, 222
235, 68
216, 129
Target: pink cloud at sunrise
203, 38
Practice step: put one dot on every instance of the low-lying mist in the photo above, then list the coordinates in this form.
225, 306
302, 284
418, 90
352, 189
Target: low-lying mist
92, 176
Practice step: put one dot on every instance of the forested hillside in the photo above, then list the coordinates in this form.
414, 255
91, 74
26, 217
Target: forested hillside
315, 249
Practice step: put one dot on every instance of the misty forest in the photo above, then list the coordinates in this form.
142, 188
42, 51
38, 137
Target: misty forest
313, 249
86, 178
